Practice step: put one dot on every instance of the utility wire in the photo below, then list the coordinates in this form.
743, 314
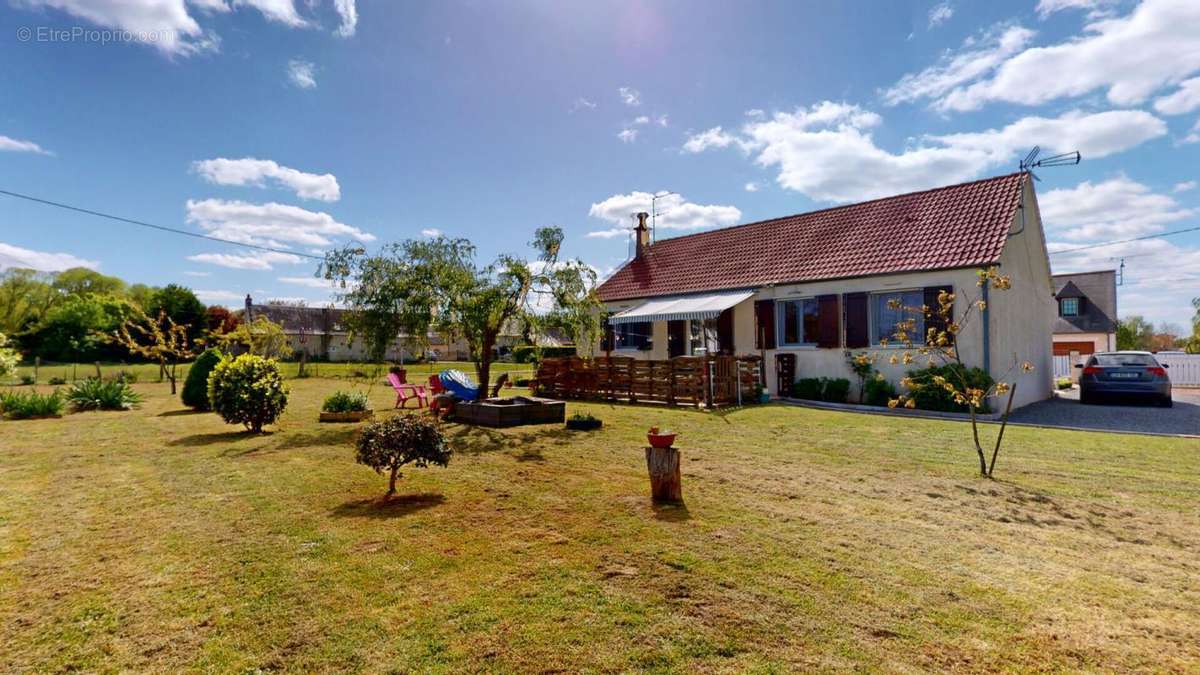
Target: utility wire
1125, 241
152, 226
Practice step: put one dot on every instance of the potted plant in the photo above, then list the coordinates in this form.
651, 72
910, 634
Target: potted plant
583, 422
342, 406
660, 439
760, 394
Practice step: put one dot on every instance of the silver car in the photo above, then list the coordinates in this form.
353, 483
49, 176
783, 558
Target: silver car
1124, 374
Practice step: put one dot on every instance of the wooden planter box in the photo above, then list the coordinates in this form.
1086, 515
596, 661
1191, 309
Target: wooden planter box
346, 416
510, 412
584, 425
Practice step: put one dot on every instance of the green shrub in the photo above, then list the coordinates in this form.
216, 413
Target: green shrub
55, 380
878, 391
248, 390
808, 388
522, 381
345, 401
195, 387
1063, 383
928, 396
835, 390
94, 394
28, 380
126, 376
388, 444
24, 405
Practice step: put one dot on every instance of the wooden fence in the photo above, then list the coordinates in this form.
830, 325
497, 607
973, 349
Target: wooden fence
1184, 368
683, 380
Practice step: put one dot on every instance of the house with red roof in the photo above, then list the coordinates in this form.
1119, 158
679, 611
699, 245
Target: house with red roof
817, 285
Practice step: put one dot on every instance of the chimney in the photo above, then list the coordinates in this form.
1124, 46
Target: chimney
249, 310
643, 236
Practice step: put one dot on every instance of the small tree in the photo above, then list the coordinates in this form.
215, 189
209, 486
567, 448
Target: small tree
195, 387
247, 390
940, 347
391, 443
261, 337
8, 357
162, 341
862, 365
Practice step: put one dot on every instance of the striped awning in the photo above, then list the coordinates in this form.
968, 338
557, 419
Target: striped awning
676, 307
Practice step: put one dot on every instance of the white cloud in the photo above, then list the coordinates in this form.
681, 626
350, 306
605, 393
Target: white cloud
431, 232
270, 224
1194, 136
263, 260
642, 119
1184, 186
218, 297
8, 144
302, 73
193, 273
630, 96
628, 135
311, 282
348, 13
1117, 208
42, 261
752, 187
674, 213
828, 153
279, 11
1130, 57
163, 24
1185, 99
977, 56
251, 171
1097, 7
940, 14
581, 103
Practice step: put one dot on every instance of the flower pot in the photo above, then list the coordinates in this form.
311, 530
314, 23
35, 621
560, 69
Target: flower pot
584, 425
660, 439
356, 416
764, 397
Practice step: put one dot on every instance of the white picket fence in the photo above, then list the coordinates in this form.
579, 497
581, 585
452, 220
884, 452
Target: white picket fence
1184, 369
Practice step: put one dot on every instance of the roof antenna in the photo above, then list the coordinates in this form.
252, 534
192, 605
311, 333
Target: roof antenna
654, 212
1031, 161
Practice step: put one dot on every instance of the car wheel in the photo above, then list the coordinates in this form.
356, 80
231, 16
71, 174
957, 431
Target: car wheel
1085, 398
1166, 402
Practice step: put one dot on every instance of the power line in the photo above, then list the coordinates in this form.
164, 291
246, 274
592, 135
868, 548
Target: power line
1125, 241
152, 226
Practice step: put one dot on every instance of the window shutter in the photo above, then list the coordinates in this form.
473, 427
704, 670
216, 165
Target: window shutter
934, 320
725, 331
857, 324
764, 324
829, 332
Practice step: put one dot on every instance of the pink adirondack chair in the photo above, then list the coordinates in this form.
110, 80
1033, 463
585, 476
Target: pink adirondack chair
406, 392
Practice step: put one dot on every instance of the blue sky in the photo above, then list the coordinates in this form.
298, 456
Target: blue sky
303, 124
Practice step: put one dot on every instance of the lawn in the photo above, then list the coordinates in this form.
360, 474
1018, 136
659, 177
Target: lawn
163, 540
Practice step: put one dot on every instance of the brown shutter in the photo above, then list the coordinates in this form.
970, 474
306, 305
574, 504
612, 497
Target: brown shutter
764, 324
858, 334
934, 320
829, 334
725, 331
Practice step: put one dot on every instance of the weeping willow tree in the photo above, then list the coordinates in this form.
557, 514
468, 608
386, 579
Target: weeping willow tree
422, 285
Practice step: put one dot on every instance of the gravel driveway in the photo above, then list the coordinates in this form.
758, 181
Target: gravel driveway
1065, 410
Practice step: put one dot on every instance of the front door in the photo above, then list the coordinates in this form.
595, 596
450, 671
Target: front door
677, 338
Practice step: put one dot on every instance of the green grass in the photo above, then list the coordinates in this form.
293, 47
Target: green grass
148, 372
163, 540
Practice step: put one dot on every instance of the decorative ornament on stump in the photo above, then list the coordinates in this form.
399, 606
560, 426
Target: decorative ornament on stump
662, 461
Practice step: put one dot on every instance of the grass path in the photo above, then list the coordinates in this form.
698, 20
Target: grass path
163, 540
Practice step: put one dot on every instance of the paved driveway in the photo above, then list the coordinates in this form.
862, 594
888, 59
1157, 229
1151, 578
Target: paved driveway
1065, 410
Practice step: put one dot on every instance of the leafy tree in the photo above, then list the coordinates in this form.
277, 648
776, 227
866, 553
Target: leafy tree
195, 387
220, 320
183, 308
1134, 332
161, 340
247, 390
939, 347
25, 297
421, 284
83, 281
261, 337
142, 295
8, 357
78, 329
388, 444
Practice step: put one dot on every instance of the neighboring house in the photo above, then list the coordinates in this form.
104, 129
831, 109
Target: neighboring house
817, 284
322, 333
1087, 313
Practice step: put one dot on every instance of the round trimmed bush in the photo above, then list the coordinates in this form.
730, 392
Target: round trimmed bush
390, 443
195, 387
248, 390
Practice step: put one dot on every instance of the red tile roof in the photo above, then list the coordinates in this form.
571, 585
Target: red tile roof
945, 228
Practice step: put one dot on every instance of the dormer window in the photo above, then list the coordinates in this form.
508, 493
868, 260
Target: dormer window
1068, 307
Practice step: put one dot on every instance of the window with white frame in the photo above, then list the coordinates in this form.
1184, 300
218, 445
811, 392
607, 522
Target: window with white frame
702, 337
885, 315
637, 335
1068, 307
797, 322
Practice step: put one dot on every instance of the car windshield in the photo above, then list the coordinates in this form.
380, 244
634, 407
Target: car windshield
1125, 360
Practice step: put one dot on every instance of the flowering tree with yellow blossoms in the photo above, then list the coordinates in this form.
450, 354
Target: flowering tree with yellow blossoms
940, 348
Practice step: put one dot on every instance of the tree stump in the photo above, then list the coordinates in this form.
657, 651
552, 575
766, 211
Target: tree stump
665, 483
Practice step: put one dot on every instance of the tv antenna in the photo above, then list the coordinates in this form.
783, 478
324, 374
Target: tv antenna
1031, 161
1121, 268
654, 212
